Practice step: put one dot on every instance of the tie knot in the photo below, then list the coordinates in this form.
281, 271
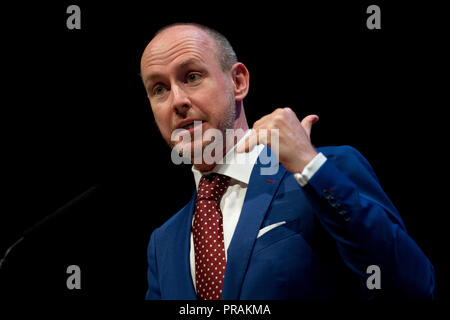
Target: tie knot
212, 187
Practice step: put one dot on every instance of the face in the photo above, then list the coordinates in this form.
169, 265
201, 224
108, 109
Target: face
185, 83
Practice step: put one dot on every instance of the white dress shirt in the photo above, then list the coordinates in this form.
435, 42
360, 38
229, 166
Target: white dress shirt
239, 167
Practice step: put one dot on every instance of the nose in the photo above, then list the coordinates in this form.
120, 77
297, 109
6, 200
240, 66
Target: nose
181, 102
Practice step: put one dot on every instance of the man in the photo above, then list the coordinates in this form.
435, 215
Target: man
317, 228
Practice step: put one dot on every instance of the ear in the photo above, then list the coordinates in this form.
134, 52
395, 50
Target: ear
241, 80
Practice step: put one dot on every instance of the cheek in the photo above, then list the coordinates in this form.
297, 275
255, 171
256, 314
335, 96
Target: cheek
213, 101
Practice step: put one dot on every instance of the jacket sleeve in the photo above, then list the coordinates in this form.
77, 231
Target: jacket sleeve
367, 228
154, 291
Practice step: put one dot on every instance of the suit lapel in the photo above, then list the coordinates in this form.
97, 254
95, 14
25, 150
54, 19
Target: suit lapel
184, 283
260, 192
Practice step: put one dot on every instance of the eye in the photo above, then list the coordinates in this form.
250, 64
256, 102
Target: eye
158, 90
192, 77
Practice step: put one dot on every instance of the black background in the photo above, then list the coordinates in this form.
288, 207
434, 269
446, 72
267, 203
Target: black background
75, 114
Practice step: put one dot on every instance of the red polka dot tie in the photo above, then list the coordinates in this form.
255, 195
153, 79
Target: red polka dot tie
207, 231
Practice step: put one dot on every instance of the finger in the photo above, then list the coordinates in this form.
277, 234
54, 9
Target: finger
308, 122
250, 142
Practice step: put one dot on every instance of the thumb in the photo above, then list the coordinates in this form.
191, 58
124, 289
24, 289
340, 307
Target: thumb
308, 121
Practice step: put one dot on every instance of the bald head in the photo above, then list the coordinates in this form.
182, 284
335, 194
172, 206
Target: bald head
212, 39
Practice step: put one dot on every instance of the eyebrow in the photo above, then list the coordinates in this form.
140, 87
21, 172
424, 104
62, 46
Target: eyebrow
183, 64
151, 77
189, 61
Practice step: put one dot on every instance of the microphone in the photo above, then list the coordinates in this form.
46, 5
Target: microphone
84, 195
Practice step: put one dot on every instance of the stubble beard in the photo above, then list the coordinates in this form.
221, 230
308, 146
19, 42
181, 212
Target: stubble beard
226, 123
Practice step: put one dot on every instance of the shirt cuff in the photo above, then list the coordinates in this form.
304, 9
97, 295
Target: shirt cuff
310, 169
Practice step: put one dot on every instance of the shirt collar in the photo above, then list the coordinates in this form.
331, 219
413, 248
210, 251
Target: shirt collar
237, 166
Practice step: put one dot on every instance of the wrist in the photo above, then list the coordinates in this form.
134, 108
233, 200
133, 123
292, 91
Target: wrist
304, 160
310, 169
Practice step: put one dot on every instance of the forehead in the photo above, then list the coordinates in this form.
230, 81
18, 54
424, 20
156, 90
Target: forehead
176, 43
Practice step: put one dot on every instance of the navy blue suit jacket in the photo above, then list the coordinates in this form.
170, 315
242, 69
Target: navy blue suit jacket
336, 226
